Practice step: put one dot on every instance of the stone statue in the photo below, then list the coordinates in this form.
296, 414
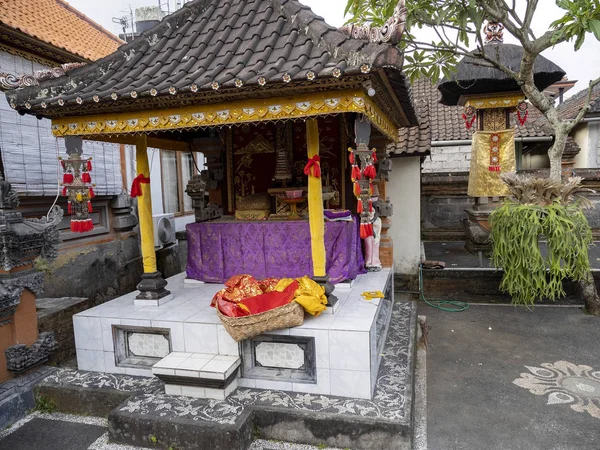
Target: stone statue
372, 262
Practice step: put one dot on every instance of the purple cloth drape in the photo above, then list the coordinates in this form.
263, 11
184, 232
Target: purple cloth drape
220, 250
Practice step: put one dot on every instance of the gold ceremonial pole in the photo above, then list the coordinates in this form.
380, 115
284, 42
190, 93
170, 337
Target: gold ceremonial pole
315, 203
145, 207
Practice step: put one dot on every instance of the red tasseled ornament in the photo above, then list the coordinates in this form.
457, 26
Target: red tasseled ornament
90, 207
355, 174
92, 195
351, 158
69, 208
359, 206
88, 225
366, 230
374, 156
67, 178
86, 178
64, 191
370, 206
62, 163
356, 189
89, 166
370, 172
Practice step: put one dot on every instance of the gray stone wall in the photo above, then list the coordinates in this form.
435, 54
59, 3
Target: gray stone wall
448, 159
444, 199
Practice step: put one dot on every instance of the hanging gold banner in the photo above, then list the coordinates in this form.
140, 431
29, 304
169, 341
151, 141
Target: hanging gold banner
487, 146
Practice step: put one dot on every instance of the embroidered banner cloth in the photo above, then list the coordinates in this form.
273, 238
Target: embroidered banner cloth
220, 250
487, 145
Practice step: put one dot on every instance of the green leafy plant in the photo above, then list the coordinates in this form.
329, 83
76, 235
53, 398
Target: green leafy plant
540, 209
44, 405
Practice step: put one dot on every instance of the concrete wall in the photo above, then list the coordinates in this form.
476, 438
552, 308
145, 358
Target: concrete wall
584, 157
448, 159
404, 191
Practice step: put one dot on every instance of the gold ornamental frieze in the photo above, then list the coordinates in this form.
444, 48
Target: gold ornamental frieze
224, 114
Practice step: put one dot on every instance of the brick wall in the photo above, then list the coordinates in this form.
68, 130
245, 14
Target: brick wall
448, 159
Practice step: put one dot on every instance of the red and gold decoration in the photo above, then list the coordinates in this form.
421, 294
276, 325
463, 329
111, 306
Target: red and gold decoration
78, 187
522, 112
469, 116
494, 153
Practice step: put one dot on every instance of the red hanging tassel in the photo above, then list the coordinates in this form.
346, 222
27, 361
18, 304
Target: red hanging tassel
90, 210
89, 165
359, 206
64, 191
355, 174
522, 118
62, 163
366, 230
469, 121
374, 156
88, 225
370, 172
370, 206
351, 158
69, 208
75, 226
67, 178
86, 178
92, 194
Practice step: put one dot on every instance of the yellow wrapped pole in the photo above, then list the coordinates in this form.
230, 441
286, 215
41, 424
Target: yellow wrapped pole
145, 207
315, 203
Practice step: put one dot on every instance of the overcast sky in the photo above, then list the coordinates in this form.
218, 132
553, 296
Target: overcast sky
583, 65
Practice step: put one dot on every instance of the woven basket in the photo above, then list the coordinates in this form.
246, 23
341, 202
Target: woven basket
240, 328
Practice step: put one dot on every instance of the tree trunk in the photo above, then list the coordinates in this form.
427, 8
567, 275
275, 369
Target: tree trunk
590, 295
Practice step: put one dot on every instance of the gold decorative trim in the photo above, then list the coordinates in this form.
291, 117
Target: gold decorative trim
488, 101
225, 114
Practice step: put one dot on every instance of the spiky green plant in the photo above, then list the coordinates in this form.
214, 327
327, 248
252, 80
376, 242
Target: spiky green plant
540, 210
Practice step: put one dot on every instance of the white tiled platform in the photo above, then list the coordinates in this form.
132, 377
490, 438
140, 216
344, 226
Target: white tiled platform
346, 357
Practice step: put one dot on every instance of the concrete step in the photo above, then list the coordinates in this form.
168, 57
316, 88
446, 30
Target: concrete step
198, 375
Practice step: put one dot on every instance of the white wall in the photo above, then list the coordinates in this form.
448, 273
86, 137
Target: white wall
448, 159
404, 191
582, 160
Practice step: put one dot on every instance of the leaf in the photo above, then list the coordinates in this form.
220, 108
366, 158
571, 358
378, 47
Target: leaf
595, 27
579, 41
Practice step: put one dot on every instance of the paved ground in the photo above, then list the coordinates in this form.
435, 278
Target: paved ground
455, 255
473, 360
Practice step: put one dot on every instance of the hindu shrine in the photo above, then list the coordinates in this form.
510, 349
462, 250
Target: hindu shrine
490, 97
293, 117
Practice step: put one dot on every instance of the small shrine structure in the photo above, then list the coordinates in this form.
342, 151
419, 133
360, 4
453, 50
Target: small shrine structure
489, 97
293, 116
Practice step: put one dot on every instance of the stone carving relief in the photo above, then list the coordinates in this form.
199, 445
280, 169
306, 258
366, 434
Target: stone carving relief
20, 358
390, 32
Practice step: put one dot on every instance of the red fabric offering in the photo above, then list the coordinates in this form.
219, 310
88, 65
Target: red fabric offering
270, 300
244, 295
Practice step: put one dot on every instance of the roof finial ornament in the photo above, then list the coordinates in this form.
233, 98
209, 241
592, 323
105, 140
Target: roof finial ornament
494, 32
389, 33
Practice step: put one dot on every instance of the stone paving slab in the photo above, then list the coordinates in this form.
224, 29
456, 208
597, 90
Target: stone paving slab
506, 378
38, 434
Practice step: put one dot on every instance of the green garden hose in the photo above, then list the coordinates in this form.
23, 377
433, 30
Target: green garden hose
443, 305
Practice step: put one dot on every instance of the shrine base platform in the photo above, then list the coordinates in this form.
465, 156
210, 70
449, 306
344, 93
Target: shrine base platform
337, 353
140, 414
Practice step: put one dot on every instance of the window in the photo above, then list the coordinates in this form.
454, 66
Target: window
177, 170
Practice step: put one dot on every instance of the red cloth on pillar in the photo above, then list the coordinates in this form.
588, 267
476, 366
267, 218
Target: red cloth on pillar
136, 186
